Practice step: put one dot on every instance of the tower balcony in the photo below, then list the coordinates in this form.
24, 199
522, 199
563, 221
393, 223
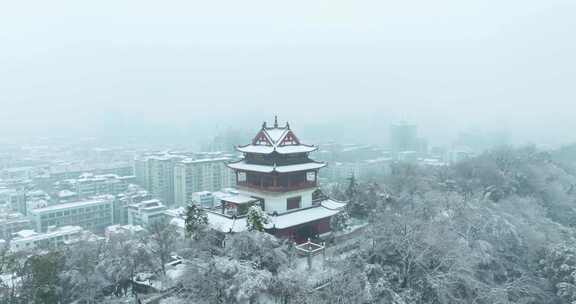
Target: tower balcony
278, 188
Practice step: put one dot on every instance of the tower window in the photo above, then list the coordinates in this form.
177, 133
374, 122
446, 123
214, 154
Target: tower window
293, 203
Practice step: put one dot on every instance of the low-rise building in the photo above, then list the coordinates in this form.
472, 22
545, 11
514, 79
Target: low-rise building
27, 240
146, 213
205, 199
12, 222
94, 215
123, 230
134, 195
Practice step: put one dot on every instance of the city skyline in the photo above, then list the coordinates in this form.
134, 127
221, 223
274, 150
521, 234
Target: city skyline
75, 69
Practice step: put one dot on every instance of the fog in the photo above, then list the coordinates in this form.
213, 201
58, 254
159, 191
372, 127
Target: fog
348, 68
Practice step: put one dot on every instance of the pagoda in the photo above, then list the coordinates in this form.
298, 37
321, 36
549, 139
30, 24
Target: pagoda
276, 170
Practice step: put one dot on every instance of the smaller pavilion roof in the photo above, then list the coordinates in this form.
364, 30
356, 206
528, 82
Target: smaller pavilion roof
239, 199
299, 217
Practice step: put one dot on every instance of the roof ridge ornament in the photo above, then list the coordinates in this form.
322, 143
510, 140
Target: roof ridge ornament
275, 121
287, 125
264, 125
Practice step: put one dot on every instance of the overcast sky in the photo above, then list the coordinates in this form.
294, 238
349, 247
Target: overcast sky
354, 65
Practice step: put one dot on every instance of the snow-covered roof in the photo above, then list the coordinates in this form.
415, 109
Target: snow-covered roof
133, 229
175, 212
242, 165
276, 134
300, 217
205, 160
260, 149
300, 167
218, 222
66, 193
30, 235
148, 206
333, 205
239, 199
276, 139
103, 200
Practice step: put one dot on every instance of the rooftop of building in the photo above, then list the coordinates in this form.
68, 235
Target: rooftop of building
31, 235
132, 229
239, 199
78, 204
149, 205
224, 223
202, 193
205, 160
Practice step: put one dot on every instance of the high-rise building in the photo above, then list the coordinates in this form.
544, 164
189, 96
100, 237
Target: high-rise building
200, 175
403, 137
173, 177
142, 171
161, 177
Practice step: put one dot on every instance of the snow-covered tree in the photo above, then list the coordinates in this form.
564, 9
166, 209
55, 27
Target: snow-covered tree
163, 238
256, 218
195, 219
340, 221
263, 249
352, 189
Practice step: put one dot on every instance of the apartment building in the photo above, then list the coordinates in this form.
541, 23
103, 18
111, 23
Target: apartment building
28, 240
95, 214
192, 176
146, 213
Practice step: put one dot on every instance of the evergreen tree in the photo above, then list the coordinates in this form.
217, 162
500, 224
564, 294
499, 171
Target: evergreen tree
357, 206
256, 219
41, 278
195, 219
352, 190
340, 221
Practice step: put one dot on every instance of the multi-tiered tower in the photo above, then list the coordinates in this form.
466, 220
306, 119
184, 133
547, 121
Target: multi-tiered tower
276, 169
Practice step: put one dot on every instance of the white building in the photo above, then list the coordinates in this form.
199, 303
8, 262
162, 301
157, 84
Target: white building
27, 240
123, 230
12, 222
90, 185
205, 199
134, 195
192, 176
94, 215
146, 212
160, 177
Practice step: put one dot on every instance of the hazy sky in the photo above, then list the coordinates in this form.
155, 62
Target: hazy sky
353, 65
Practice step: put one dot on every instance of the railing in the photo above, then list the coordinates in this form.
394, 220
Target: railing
277, 188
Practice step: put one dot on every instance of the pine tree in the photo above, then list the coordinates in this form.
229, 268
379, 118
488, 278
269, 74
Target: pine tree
357, 206
340, 221
352, 190
256, 219
195, 219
